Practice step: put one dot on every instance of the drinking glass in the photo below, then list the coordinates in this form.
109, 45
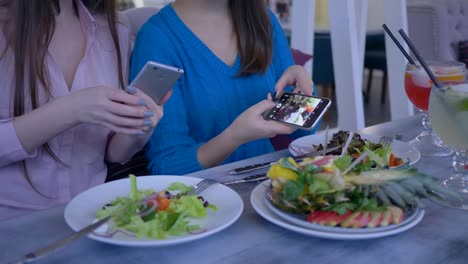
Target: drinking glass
418, 88
448, 113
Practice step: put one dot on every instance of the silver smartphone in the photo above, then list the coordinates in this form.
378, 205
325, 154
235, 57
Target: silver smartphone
298, 110
156, 79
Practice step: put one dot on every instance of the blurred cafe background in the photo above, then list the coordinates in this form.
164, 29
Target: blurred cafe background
344, 47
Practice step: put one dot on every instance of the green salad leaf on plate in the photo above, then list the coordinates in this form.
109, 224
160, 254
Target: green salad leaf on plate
154, 214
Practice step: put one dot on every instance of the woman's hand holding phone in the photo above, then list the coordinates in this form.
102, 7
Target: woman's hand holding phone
251, 125
151, 106
298, 110
121, 112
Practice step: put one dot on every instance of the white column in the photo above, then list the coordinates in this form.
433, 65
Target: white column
395, 16
302, 26
362, 7
347, 48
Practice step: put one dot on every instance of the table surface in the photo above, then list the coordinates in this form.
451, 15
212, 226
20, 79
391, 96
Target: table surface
441, 236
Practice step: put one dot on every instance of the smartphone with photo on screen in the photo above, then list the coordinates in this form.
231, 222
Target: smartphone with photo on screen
156, 79
298, 110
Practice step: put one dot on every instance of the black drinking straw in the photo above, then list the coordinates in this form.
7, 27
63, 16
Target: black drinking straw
410, 60
420, 58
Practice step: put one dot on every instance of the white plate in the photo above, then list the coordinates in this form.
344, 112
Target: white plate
301, 221
259, 203
400, 149
81, 211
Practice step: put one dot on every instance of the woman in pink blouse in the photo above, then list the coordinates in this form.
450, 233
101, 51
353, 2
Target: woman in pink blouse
63, 65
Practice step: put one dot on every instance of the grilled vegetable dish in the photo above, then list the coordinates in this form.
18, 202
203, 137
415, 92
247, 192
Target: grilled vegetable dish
337, 191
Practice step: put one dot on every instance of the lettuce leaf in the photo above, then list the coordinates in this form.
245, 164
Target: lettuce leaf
159, 224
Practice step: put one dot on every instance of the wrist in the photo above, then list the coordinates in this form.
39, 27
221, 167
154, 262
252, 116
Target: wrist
141, 140
230, 136
137, 141
66, 108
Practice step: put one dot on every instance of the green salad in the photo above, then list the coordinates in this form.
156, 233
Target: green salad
379, 155
155, 214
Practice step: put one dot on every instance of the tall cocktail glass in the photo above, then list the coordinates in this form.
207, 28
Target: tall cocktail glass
418, 88
448, 113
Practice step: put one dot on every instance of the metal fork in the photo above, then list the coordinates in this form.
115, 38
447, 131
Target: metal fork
201, 186
386, 140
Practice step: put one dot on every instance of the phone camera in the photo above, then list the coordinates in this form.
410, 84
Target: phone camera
155, 68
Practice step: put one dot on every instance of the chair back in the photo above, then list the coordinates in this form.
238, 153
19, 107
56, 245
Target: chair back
437, 27
136, 17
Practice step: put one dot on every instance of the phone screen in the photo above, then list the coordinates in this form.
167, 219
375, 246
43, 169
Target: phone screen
299, 110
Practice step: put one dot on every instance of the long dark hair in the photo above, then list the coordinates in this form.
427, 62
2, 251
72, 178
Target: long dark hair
28, 28
254, 34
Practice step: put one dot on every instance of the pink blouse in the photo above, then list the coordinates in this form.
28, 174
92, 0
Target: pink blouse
82, 148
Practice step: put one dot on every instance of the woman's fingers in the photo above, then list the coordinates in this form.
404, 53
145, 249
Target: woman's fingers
284, 129
154, 108
126, 98
124, 121
265, 105
166, 97
269, 97
150, 104
130, 111
297, 90
305, 84
298, 77
279, 129
286, 79
275, 126
123, 130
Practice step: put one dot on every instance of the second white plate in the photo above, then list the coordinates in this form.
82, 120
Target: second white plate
259, 203
400, 149
300, 221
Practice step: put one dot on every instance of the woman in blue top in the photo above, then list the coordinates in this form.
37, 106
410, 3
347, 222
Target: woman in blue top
233, 53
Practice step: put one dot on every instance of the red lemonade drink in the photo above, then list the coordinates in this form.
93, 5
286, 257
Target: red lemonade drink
418, 84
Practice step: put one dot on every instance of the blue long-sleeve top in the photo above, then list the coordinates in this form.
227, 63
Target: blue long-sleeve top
207, 98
